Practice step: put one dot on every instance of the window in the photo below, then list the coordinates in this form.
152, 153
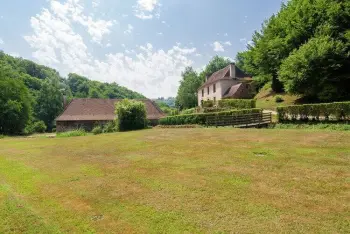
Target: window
214, 88
202, 102
208, 90
202, 92
214, 100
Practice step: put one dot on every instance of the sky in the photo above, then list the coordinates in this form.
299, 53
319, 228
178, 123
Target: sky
143, 45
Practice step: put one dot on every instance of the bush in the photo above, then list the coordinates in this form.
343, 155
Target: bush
53, 130
208, 103
39, 127
131, 115
189, 111
110, 127
279, 99
201, 118
337, 111
2, 136
315, 126
97, 130
237, 103
74, 133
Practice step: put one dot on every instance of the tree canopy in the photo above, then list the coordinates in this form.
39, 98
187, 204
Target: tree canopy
304, 49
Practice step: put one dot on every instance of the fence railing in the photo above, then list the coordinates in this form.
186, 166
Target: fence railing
246, 120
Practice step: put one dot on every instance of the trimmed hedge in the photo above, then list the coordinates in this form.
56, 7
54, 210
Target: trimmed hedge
208, 104
201, 118
237, 103
337, 111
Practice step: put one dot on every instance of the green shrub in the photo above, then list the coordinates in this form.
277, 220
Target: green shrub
110, 127
97, 130
337, 111
53, 130
131, 115
201, 118
208, 103
39, 127
2, 136
237, 103
189, 111
279, 99
74, 133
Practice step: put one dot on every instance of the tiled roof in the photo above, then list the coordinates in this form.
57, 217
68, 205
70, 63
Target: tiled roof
236, 91
101, 109
222, 75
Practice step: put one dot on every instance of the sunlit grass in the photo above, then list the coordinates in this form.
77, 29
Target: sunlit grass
177, 180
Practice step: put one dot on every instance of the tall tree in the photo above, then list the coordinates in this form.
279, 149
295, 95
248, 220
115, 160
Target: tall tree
187, 93
298, 23
49, 103
15, 106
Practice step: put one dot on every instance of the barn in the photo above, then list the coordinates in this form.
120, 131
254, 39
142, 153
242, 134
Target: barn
86, 113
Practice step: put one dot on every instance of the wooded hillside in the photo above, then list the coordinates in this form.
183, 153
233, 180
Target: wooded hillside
31, 93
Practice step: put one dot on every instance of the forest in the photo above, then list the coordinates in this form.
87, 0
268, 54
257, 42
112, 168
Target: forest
32, 95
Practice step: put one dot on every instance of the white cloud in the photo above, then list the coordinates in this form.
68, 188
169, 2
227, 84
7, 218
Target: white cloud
226, 34
129, 30
228, 43
163, 22
145, 9
153, 72
1, 41
124, 15
218, 47
198, 55
73, 11
160, 34
96, 3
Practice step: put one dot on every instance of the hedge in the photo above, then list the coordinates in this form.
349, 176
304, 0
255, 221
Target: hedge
237, 103
337, 111
201, 118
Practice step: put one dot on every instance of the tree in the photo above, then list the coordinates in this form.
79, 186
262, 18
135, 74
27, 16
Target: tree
216, 63
15, 106
49, 103
131, 115
187, 93
297, 24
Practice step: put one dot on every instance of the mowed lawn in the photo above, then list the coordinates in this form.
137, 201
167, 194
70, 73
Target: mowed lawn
177, 180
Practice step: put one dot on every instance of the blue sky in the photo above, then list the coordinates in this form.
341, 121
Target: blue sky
141, 44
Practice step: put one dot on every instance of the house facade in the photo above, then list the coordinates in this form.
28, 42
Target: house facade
229, 82
86, 113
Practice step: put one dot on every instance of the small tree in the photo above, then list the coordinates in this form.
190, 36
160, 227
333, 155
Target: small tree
130, 115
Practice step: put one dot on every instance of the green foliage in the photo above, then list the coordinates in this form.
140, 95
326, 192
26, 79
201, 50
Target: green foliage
165, 108
49, 103
110, 127
201, 118
189, 111
97, 130
305, 47
15, 105
187, 93
2, 136
82, 87
237, 103
208, 104
131, 115
337, 111
39, 127
74, 133
279, 99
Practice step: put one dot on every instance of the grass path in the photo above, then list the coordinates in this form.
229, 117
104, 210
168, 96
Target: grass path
177, 180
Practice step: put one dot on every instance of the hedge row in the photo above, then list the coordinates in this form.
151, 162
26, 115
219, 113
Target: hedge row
237, 103
336, 111
201, 118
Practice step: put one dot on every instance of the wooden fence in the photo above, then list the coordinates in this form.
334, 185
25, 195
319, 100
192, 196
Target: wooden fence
240, 121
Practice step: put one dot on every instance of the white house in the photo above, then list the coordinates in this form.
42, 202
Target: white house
229, 82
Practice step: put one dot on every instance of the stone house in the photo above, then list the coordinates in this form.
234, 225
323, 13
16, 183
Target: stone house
86, 113
229, 82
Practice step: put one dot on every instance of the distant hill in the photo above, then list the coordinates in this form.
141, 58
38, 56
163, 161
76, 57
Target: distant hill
170, 101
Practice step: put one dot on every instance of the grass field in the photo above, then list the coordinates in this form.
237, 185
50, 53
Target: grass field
177, 180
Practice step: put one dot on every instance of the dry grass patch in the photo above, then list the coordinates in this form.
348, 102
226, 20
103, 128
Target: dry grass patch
177, 180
